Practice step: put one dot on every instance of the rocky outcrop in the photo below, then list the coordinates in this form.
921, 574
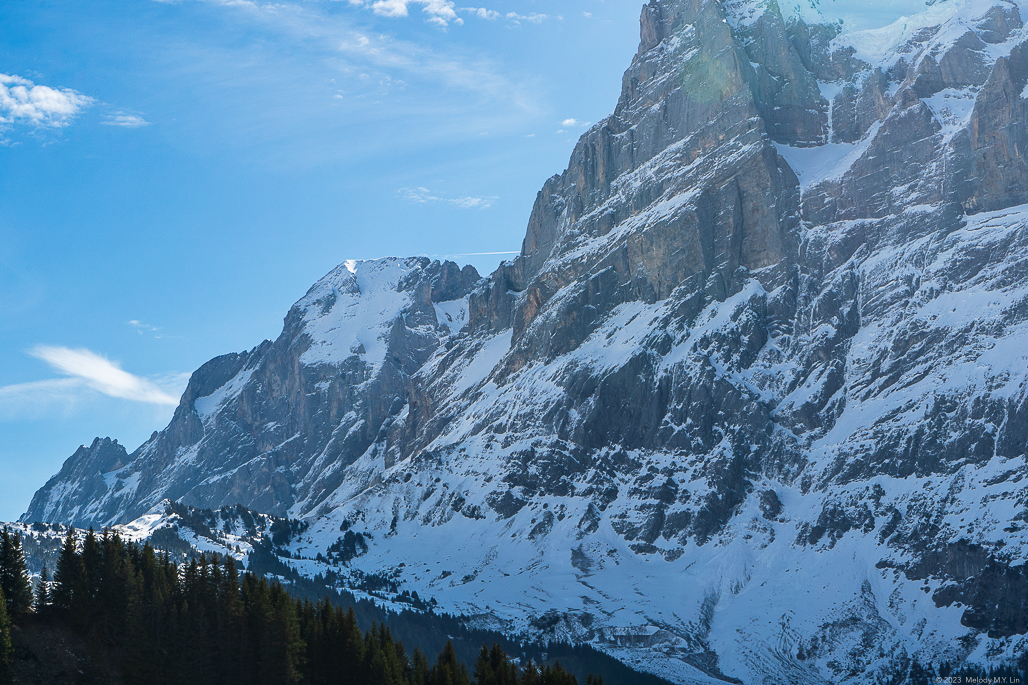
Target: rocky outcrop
281, 422
750, 403
80, 482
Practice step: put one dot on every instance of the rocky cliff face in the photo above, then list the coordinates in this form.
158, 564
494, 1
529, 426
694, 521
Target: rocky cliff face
751, 403
269, 425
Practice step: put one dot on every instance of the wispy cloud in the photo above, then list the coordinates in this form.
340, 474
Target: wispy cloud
391, 55
440, 12
90, 370
354, 51
511, 17
482, 13
532, 17
125, 120
143, 328
24, 102
573, 123
39, 397
423, 195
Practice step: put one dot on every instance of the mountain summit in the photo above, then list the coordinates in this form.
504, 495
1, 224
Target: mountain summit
751, 402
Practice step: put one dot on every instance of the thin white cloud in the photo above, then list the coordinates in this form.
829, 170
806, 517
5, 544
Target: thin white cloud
482, 13
141, 326
532, 18
440, 12
568, 124
444, 12
384, 53
126, 120
388, 54
24, 102
423, 195
39, 397
100, 374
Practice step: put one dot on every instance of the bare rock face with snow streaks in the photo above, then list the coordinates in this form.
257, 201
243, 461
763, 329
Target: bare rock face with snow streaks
752, 402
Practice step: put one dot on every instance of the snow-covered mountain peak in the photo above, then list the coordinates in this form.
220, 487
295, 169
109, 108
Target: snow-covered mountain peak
353, 309
751, 399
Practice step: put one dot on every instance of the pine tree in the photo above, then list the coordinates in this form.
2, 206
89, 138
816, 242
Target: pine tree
228, 622
419, 671
113, 588
493, 667
530, 676
5, 643
68, 577
147, 659
14, 575
42, 604
448, 670
557, 676
86, 606
284, 637
22, 590
483, 669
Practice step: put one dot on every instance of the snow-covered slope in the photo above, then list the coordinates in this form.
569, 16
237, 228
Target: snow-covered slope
171, 528
751, 403
285, 418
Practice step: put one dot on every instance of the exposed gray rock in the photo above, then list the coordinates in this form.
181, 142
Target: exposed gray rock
80, 482
759, 366
280, 422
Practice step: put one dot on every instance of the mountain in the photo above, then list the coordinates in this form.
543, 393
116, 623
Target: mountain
750, 405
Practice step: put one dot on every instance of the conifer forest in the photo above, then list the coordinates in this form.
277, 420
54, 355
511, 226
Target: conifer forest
147, 619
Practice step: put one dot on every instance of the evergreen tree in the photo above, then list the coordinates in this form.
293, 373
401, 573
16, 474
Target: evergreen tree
228, 623
284, 639
42, 603
85, 606
493, 667
530, 676
5, 643
385, 662
448, 670
150, 618
14, 575
68, 576
556, 675
419, 670
112, 588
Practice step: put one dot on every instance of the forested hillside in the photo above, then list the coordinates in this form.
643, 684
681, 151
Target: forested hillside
118, 612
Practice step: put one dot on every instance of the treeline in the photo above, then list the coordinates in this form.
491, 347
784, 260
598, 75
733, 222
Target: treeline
151, 620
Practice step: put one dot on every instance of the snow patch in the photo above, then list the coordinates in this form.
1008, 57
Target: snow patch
831, 161
453, 314
207, 406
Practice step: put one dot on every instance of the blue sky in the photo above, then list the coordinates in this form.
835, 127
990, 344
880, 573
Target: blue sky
173, 175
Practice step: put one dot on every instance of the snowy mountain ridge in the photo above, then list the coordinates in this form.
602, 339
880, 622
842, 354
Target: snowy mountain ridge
750, 404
